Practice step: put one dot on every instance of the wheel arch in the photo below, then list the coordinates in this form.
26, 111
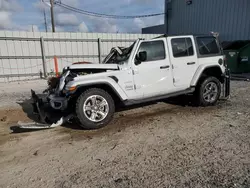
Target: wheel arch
204, 71
117, 97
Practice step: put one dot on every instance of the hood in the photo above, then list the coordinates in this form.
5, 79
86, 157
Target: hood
82, 62
94, 66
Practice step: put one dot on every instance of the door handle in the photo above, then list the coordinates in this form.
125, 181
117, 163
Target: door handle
190, 63
164, 67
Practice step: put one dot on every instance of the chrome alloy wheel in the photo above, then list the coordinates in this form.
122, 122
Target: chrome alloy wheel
210, 92
96, 108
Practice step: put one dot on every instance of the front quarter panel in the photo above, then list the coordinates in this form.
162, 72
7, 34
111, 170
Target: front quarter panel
84, 81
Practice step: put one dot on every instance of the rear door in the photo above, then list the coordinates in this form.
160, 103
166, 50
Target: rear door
184, 60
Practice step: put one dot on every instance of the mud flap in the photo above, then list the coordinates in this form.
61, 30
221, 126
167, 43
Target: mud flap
227, 83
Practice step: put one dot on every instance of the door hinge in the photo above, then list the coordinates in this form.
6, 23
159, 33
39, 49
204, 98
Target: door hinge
172, 66
135, 87
173, 80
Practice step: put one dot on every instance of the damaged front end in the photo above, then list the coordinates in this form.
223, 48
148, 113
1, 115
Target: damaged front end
51, 107
57, 105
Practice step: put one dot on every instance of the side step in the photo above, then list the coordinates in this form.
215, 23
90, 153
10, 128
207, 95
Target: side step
158, 98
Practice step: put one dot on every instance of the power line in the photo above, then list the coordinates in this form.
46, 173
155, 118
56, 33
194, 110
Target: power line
80, 11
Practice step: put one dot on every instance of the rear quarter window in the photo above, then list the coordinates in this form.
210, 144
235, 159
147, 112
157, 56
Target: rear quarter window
207, 45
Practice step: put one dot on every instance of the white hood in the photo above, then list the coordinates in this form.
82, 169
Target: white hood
94, 66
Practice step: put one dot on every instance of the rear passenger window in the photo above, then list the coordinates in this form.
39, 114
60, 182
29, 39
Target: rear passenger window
207, 45
155, 50
182, 47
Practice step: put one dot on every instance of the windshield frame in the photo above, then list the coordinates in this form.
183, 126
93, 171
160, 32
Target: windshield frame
114, 52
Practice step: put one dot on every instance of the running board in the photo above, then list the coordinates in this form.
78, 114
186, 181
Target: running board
158, 98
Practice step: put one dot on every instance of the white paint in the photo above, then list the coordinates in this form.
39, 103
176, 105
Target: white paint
183, 67
148, 79
94, 66
206, 63
99, 78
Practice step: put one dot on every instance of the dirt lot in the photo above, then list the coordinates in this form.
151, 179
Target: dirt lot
163, 145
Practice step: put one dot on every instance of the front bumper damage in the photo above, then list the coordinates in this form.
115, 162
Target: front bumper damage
48, 113
52, 110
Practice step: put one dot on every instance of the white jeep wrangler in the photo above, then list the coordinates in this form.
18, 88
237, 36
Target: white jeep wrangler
148, 70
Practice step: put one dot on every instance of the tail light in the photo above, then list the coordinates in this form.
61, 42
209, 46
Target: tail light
225, 61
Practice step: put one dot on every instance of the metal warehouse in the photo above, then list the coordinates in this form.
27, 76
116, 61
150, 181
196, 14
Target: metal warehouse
231, 18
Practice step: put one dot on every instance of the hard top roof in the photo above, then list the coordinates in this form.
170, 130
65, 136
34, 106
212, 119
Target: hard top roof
195, 35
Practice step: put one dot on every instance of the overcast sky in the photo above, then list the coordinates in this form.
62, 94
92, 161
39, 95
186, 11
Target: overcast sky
22, 14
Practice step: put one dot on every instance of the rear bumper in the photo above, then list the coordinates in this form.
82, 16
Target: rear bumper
226, 84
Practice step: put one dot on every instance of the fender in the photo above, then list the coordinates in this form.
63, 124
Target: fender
80, 82
200, 70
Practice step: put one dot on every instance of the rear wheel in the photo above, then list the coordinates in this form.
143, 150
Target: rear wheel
95, 108
208, 91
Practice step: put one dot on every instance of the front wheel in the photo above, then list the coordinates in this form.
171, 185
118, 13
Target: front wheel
208, 91
95, 108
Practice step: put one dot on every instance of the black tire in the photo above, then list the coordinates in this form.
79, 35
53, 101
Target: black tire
201, 88
83, 119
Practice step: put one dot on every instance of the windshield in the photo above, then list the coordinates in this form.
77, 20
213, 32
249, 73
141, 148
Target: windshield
118, 55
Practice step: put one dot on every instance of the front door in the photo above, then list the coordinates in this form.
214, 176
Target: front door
153, 76
184, 60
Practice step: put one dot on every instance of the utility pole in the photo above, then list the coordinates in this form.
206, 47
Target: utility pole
52, 15
45, 20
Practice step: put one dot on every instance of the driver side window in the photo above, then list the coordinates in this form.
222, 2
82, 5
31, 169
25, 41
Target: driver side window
155, 50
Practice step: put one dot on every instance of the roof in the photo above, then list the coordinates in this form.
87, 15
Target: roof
195, 35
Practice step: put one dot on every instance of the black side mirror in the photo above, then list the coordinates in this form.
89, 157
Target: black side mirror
142, 56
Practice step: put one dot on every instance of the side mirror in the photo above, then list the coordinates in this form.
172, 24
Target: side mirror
142, 56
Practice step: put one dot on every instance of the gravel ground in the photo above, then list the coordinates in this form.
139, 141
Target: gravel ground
12, 93
162, 145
